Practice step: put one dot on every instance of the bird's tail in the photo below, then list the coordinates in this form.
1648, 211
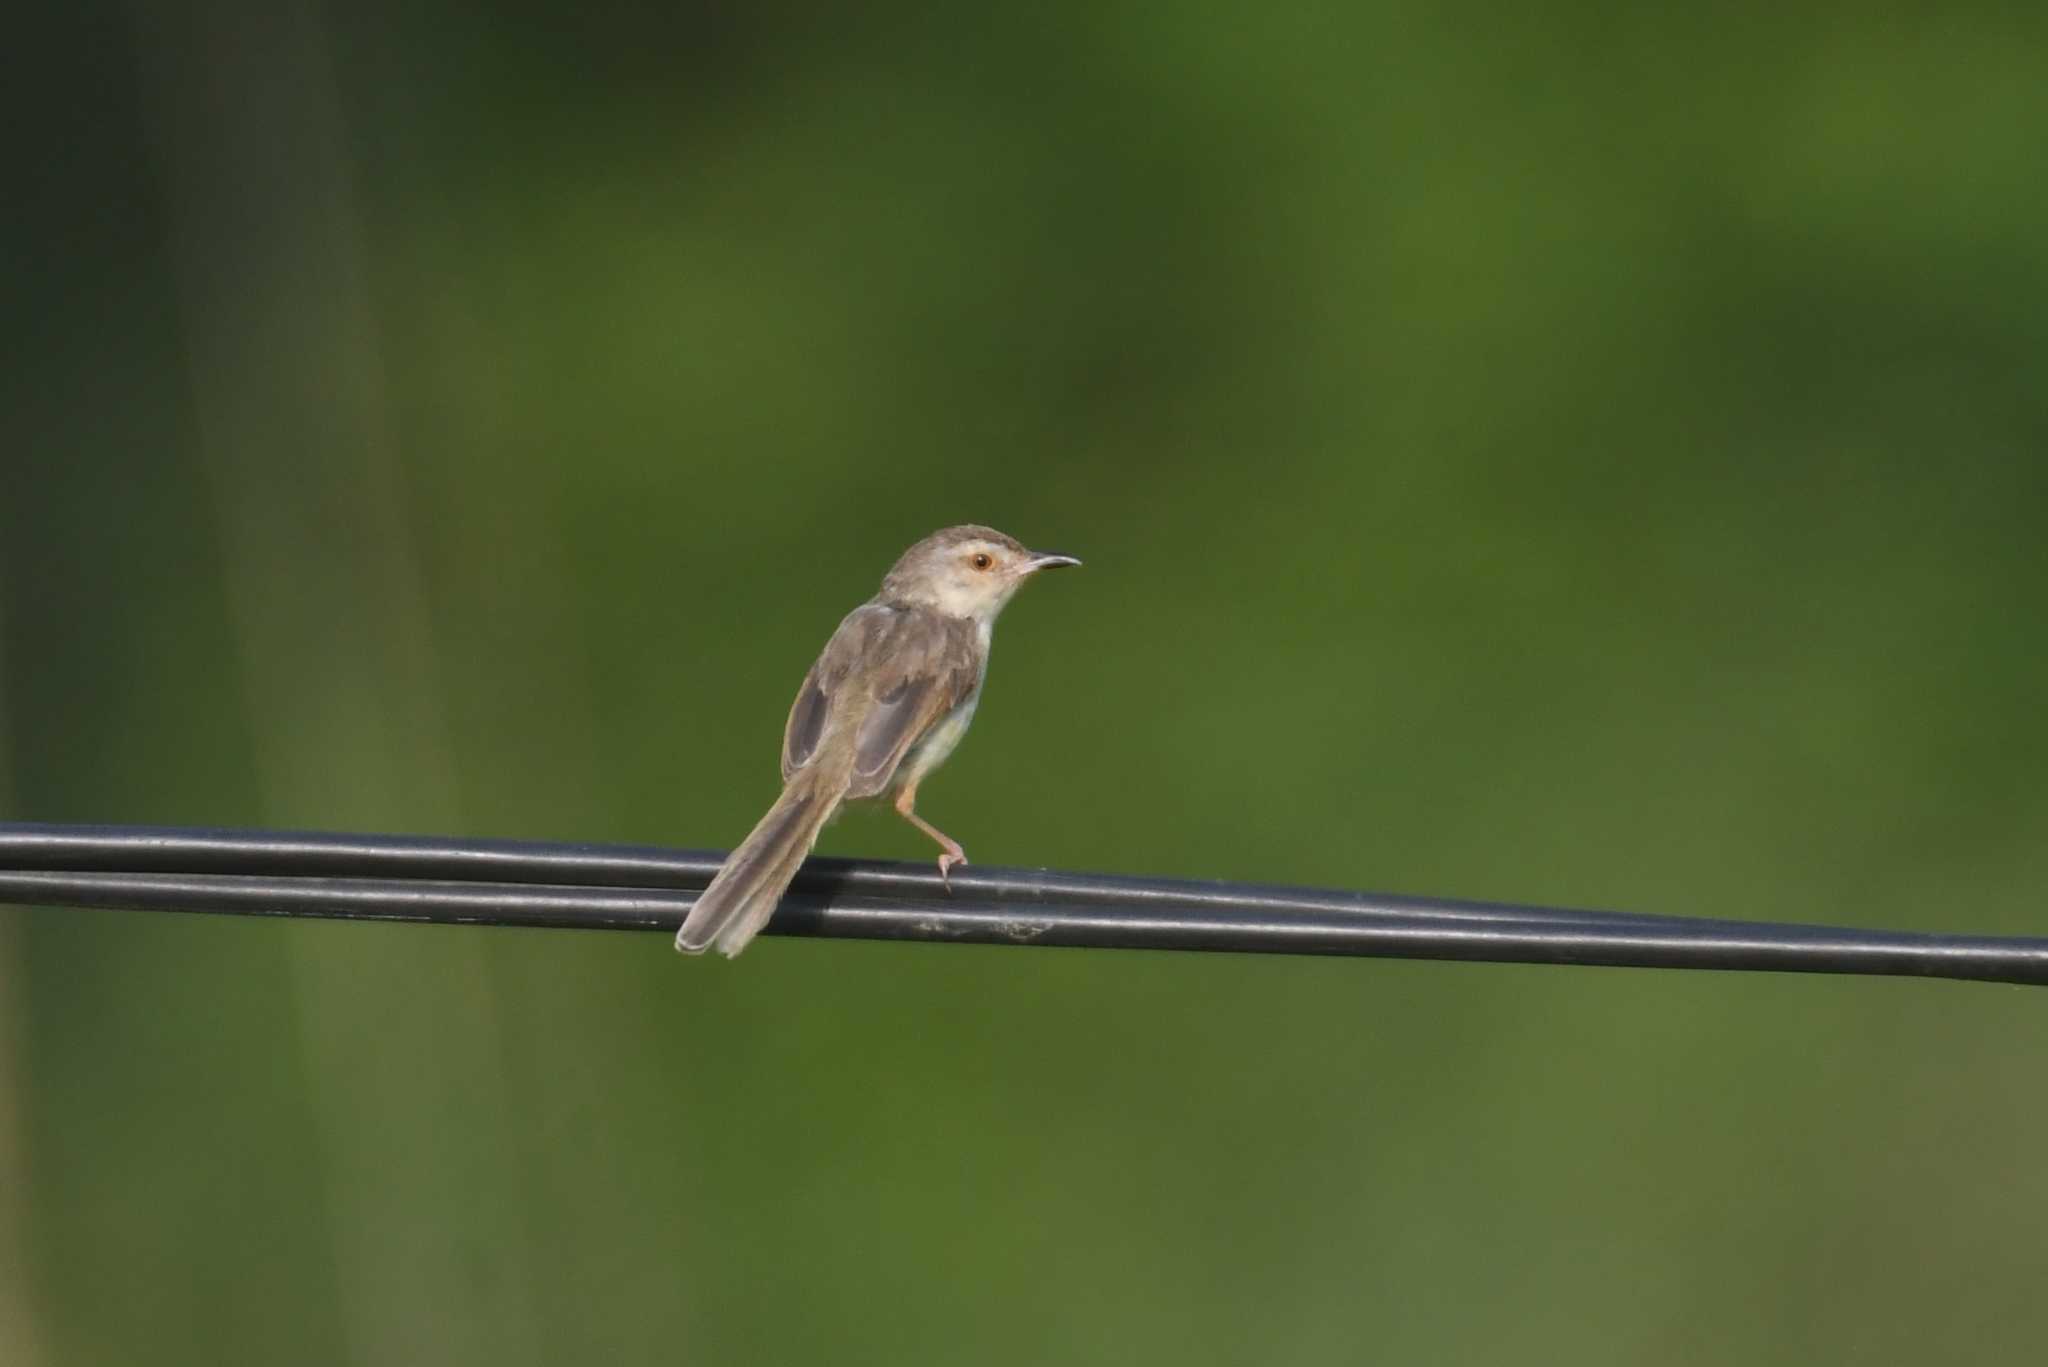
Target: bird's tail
742, 895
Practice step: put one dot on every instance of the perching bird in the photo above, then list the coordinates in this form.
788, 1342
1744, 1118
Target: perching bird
883, 706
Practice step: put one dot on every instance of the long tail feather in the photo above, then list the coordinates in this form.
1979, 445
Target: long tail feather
742, 896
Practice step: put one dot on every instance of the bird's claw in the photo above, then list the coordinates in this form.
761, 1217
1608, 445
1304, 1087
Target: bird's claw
956, 855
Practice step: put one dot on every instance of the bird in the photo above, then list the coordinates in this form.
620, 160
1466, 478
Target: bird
889, 697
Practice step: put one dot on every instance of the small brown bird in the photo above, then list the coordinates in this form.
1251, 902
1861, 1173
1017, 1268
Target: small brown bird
883, 706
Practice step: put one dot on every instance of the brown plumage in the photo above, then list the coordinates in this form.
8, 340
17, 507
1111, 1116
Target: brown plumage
884, 705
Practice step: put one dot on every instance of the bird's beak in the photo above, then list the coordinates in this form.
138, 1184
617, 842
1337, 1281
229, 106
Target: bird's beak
1046, 560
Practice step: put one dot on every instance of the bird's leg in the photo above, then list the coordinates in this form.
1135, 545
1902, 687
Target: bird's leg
951, 853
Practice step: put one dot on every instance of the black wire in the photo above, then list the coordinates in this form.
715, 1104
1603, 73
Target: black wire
970, 920
626, 888
151, 849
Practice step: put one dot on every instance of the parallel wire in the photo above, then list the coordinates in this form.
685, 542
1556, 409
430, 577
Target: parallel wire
619, 887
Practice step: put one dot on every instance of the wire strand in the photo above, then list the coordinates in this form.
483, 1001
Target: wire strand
144, 849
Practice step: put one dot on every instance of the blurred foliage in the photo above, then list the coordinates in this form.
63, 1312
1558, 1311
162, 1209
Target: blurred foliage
1574, 454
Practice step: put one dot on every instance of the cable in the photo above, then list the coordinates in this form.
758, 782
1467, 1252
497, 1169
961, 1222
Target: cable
147, 849
638, 888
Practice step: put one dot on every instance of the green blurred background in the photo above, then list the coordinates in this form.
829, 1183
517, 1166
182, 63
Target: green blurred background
1574, 454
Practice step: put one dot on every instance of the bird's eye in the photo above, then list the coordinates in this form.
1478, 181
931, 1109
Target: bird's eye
981, 560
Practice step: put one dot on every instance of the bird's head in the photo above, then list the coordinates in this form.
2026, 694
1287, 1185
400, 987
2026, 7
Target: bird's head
966, 572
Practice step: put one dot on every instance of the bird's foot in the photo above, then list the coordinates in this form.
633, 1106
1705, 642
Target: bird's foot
953, 855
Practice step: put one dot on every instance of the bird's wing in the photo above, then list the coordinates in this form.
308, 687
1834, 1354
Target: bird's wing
885, 677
